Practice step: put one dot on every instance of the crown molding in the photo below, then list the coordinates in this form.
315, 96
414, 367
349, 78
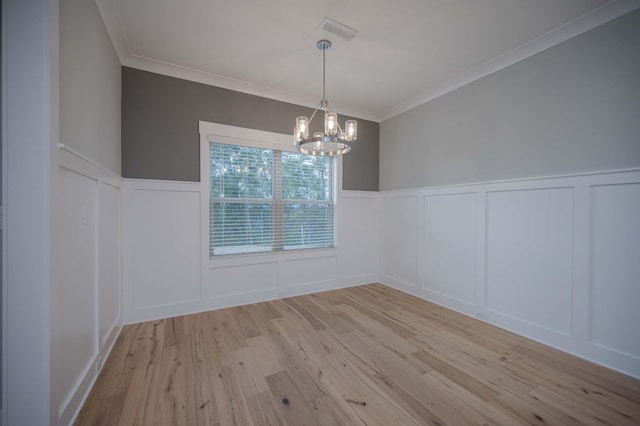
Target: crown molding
584, 23
113, 23
115, 29
597, 17
185, 73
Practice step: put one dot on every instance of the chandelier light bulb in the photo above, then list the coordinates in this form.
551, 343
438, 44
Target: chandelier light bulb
351, 130
302, 126
331, 123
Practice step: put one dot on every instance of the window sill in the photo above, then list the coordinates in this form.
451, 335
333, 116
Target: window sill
271, 256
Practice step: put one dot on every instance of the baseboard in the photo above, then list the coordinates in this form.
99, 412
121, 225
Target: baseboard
230, 301
70, 413
543, 257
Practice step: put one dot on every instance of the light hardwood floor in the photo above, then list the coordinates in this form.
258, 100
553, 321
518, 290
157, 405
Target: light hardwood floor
366, 355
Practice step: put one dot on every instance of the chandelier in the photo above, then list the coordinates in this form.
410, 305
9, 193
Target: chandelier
334, 140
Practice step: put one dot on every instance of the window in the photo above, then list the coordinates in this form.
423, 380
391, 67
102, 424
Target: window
269, 200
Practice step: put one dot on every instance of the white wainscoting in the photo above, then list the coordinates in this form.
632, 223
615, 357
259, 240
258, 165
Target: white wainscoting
554, 259
86, 292
166, 265
399, 216
449, 246
615, 267
529, 256
358, 224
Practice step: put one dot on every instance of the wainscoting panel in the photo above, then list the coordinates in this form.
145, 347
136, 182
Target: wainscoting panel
358, 237
109, 250
400, 230
529, 256
168, 272
615, 279
449, 261
76, 289
552, 258
166, 247
305, 272
87, 287
241, 279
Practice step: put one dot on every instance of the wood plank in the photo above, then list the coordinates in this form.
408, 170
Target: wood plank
292, 404
301, 369
199, 399
618, 383
174, 331
306, 314
246, 323
375, 331
145, 380
389, 370
324, 313
102, 412
382, 318
577, 389
473, 409
263, 409
251, 365
366, 355
230, 397
458, 376
360, 395
121, 363
584, 413
169, 404
532, 411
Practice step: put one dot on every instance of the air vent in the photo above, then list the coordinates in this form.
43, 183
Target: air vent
337, 28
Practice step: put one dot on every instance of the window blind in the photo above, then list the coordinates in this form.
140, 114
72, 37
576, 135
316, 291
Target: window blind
269, 200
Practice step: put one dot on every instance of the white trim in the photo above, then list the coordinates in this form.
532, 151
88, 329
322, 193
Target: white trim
221, 282
167, 185
190, 74
219, 299
582, 24
90, 377
71, 403
575, 339
113, 24
470, 186
244, 136
86, 159
586, 22
222, 133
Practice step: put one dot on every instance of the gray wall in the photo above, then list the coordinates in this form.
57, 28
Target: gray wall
90, 104
160, 138
570, 109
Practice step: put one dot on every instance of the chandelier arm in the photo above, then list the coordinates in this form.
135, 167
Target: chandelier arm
313, 115
327, 107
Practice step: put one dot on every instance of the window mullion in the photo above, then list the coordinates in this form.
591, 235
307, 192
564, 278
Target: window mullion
278, 208
239, 216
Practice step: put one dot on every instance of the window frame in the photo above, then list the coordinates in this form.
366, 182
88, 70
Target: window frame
232, 135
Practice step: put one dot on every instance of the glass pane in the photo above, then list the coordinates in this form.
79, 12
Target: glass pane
240, 171
308, 226
241, 228
306, 177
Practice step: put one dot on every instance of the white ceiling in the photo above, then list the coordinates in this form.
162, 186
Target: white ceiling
407, 51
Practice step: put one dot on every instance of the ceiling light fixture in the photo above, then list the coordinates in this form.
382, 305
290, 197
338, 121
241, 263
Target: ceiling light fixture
334, 140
